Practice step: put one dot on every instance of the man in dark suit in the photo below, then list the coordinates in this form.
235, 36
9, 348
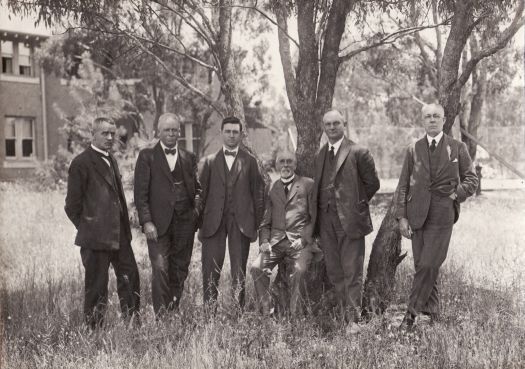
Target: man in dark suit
232, 190
436, 177
345, 181
285, 234
96, 205
167, 196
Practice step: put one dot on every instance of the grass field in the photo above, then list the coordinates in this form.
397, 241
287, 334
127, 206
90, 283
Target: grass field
483, 298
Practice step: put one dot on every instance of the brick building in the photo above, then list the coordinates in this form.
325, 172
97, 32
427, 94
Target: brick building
29, 124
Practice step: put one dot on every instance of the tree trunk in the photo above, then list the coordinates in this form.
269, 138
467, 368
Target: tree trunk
228, 75
449, 87
384, 259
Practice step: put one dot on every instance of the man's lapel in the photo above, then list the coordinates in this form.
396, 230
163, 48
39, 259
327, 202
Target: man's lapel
237, 165
160, 158
293, 189
101, 167
320, 161
185, 164
344, 149
220, 164
444, 154
421, 149
278, 190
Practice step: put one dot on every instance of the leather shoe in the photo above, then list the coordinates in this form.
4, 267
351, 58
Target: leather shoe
408, 322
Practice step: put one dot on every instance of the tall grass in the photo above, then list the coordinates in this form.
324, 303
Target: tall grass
482, 297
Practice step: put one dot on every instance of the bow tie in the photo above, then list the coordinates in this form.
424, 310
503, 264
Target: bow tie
230, 153
170, 151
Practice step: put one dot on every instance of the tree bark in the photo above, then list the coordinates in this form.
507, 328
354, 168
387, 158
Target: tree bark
384, 259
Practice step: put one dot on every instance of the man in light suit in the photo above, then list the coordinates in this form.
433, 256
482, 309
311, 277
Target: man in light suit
437, 175
167, 196
345, 181
285, 234
96, 205
232, 190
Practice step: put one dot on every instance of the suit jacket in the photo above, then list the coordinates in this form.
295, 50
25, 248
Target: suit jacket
248, 193
355, 183
154, 186
92, 202
288, 217
454, 174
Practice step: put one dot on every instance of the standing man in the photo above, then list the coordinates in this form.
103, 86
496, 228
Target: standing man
437, 176
96, 205
285, 234
232, 189
345, 181
168, 196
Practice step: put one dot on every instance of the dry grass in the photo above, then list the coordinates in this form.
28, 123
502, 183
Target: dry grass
482, 290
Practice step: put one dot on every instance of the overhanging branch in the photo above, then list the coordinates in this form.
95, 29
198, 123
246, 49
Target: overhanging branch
390, 39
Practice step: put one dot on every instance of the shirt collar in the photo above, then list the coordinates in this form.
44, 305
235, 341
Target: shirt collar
288, 180
166, 147
236, 150
336, 145
437, 138
105, 153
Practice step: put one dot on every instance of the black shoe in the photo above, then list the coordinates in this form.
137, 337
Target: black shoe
408, 322
434, 317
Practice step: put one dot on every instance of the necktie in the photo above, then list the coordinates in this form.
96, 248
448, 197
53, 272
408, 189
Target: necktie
229, 153
433, 146
170, 151
331, 153
286, 186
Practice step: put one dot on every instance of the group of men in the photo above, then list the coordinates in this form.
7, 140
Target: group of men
291, 217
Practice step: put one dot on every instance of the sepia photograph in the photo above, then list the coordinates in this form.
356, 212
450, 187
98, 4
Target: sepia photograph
262, 184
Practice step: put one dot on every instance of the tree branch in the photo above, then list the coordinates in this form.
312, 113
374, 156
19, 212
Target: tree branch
502, 41
185, 53
390, 39
280, 28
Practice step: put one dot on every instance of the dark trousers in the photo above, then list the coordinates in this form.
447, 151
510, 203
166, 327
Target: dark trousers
213, 252
96, 265
261, 270
170, 258
344, 259
430, 247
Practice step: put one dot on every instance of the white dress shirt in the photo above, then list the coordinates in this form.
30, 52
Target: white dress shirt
172, 159
105, 153
335, 145
437, 138
230, 159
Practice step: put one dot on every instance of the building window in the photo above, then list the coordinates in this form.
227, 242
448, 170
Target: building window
196, 138
6, 49
183, 141
190, 137
19, 135
24, 60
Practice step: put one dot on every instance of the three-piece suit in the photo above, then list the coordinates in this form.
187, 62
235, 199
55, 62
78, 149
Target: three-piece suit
170, 198
287, 218
428, 179
233, 207
344, 185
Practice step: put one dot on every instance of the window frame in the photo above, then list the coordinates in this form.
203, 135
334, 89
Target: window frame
19, 138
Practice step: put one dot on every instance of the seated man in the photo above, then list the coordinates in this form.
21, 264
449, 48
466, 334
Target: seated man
285, 234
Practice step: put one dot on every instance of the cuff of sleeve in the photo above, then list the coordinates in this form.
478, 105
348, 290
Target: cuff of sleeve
461, 194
